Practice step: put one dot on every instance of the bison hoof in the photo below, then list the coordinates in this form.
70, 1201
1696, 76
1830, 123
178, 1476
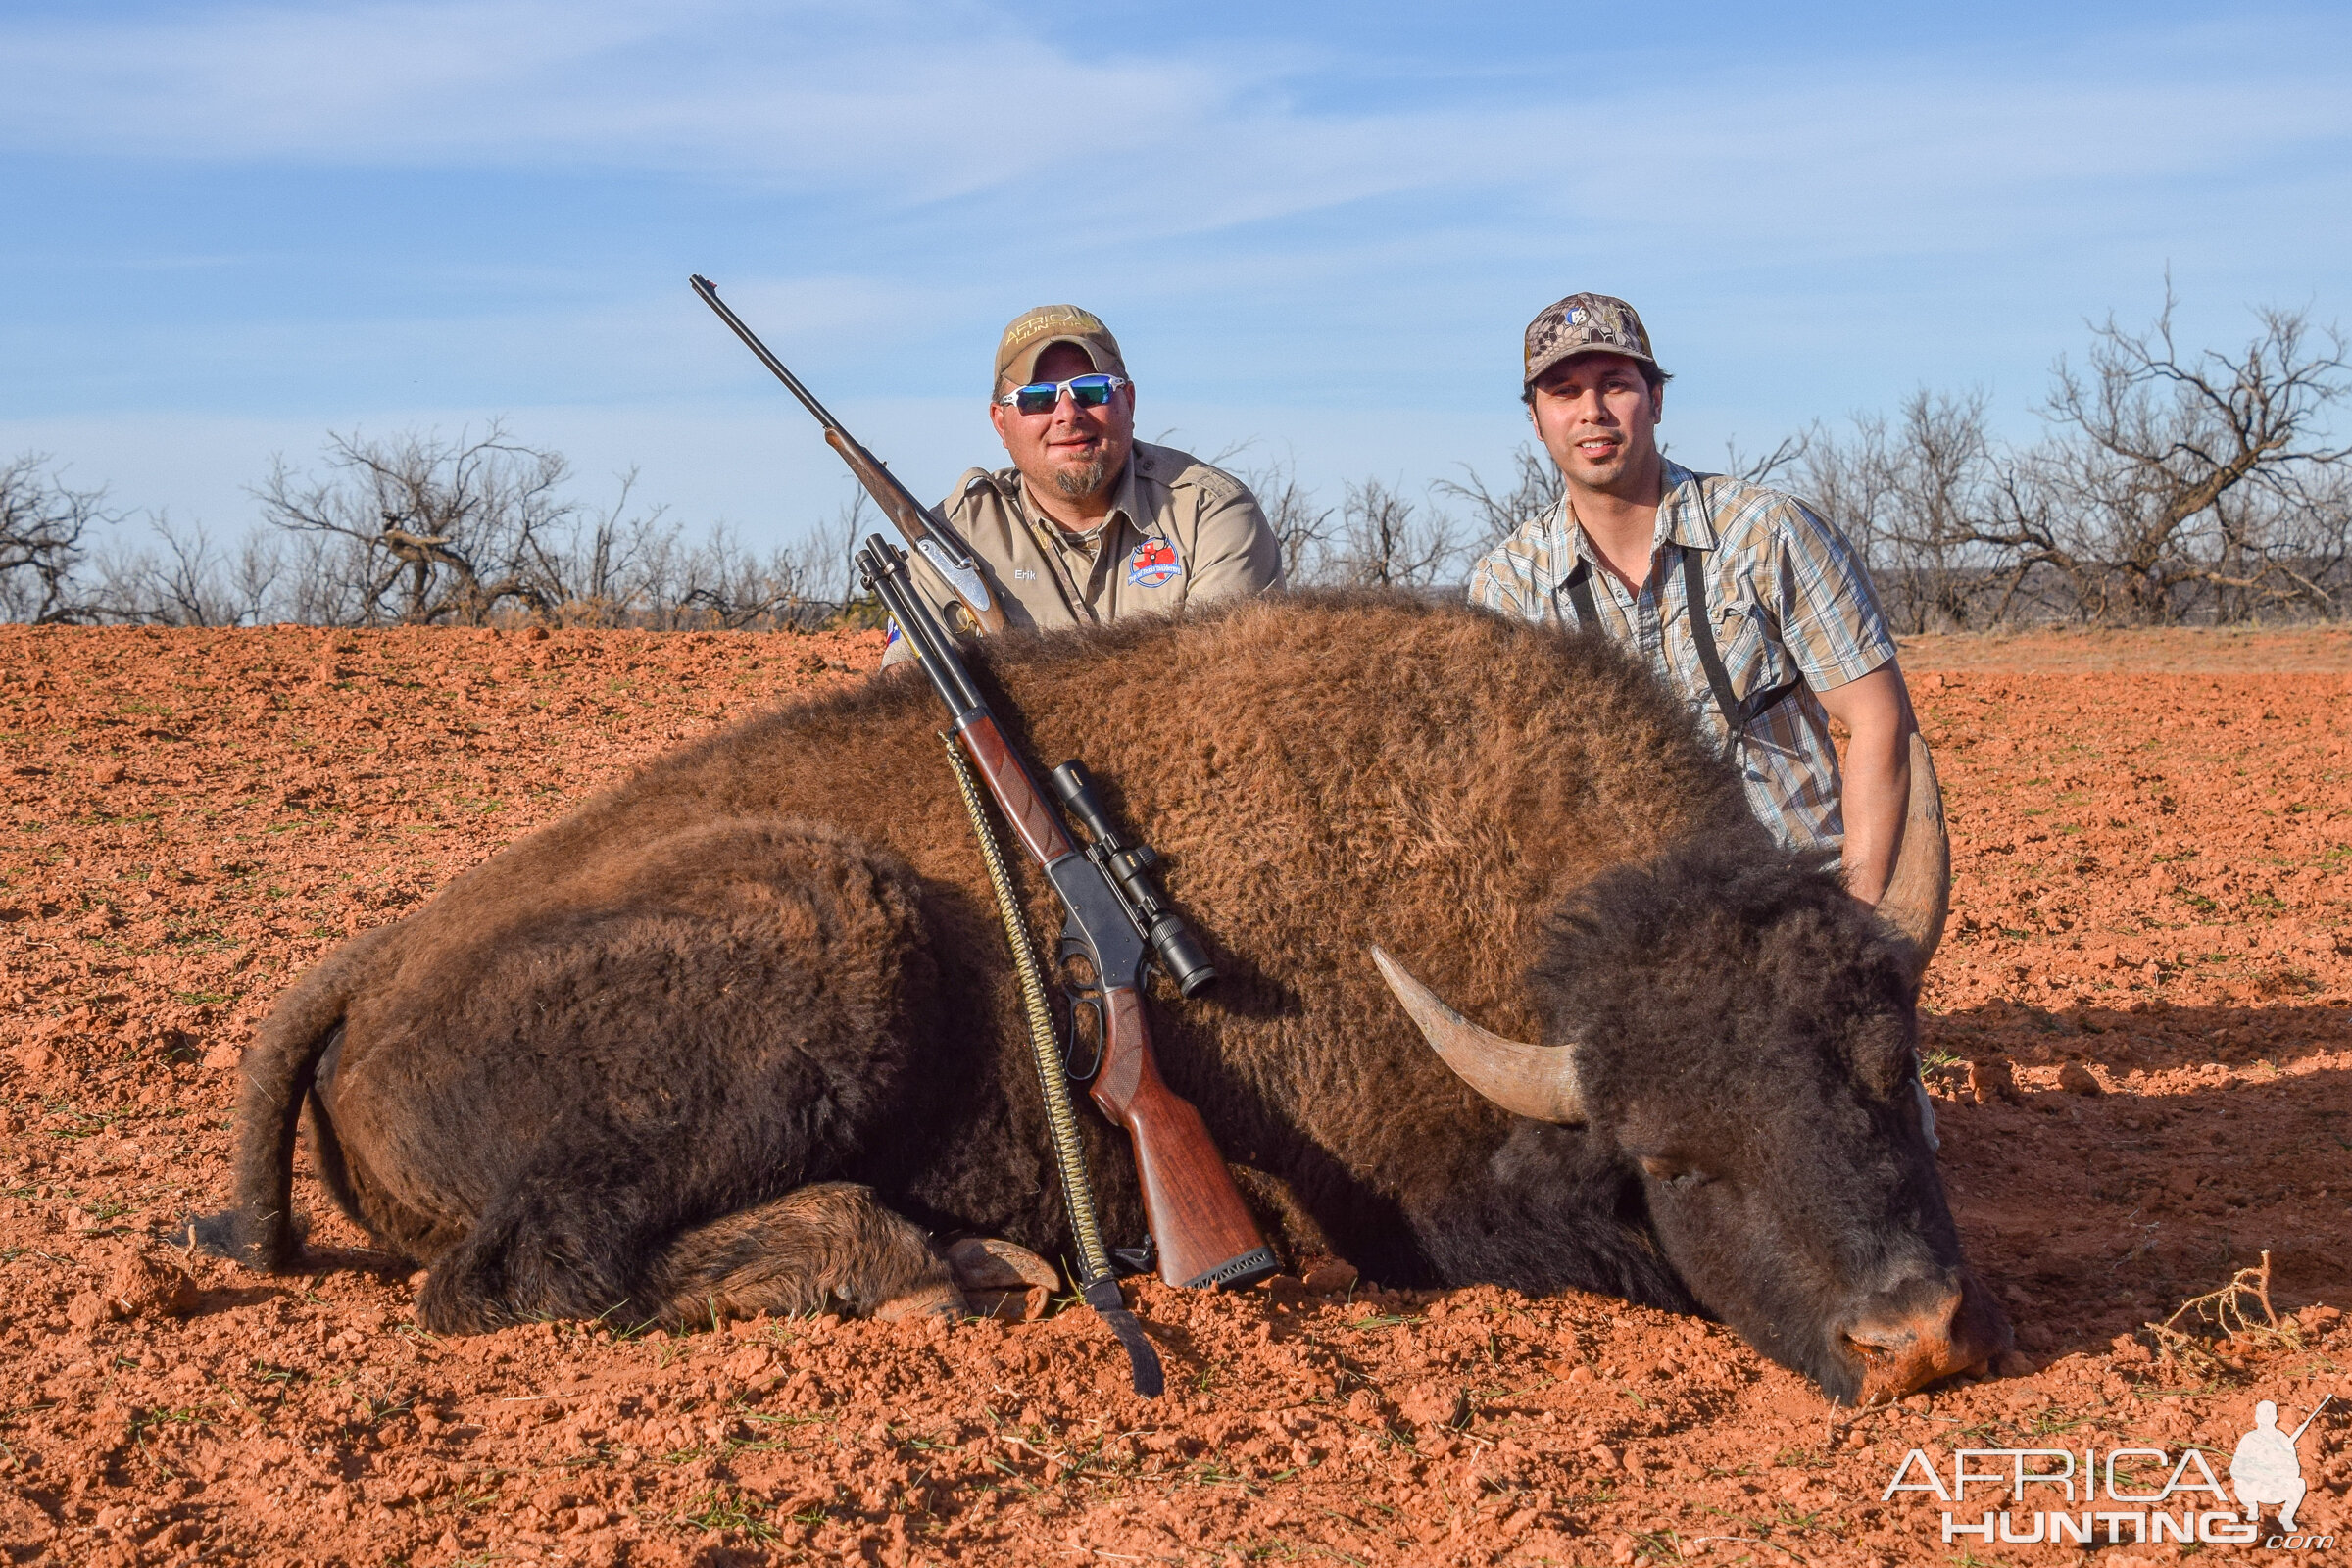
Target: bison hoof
231, 1235
936, 1300
985, 1263
1003, 1280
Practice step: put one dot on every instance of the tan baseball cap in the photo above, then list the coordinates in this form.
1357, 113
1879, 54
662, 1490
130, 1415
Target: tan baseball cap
1583, 323
1032, 333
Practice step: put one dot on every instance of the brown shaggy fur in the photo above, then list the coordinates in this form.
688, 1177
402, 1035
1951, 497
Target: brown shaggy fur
770, 960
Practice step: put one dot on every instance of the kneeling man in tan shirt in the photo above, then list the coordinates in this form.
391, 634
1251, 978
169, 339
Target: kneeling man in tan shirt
1090, 524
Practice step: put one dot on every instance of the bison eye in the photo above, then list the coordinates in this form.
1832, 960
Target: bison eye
1673, 1172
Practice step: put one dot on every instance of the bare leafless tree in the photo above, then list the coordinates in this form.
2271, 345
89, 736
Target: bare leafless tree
1388, 541
725, 584
1912, 494
424, 530
591, 564
1301, 524
1785, 460
2175, 478
184, 579
829, 551
1497, 511
43, 523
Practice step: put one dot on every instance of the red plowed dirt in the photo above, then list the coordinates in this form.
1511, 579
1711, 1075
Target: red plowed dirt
2141, 1030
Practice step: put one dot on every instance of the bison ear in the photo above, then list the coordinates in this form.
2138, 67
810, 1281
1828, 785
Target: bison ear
1919, 890
1537, 1081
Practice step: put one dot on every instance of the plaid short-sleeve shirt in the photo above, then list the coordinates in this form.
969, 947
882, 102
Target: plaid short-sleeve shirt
1786, 595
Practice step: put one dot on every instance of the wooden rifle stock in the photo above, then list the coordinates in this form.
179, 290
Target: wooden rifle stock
1008, 779
1198, 1221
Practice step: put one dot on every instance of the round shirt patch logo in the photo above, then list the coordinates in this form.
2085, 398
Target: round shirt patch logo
1154, 562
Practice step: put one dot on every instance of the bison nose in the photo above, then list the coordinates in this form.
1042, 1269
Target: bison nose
1910, 1336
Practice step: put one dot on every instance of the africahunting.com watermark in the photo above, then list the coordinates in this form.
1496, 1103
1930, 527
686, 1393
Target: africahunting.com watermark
2092, 1497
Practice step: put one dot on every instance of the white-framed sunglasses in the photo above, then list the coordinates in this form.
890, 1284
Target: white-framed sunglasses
1044, 397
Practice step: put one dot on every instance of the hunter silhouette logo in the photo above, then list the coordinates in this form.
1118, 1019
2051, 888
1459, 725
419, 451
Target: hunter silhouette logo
2266, 1469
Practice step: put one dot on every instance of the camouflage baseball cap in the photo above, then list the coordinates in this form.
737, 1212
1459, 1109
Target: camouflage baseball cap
1032, 333
1583, 323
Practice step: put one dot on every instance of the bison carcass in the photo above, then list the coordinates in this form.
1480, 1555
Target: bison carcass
734, 1035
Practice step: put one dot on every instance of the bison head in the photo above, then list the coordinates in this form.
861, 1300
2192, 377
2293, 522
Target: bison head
1737, 1035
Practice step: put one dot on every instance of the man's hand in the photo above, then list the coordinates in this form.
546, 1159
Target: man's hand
1877, 713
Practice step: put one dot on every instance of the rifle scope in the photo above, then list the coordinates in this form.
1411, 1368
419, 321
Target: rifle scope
1129, 867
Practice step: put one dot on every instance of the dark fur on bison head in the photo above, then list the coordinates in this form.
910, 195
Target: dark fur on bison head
1745, 1036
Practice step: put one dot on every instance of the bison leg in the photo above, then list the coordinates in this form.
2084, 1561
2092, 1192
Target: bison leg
827, 1245
830, 1246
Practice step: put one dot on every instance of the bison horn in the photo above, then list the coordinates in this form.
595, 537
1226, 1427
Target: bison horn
1538, 1081
1919, 890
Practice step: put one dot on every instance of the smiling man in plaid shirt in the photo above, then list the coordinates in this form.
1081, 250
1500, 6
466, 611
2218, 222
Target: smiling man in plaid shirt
1789, 632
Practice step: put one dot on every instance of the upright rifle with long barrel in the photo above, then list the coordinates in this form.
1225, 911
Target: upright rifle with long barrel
922, 528
1120, 923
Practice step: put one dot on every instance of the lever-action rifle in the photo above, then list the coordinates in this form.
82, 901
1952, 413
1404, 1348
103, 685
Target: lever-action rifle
1119, 922
922, 528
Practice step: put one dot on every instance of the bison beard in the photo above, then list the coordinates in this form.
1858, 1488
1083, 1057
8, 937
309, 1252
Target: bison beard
733, 1036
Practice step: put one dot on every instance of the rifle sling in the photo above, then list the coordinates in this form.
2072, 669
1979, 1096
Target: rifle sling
1096, 1282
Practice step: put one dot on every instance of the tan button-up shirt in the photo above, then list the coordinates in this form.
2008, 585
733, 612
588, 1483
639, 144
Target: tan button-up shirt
1179, 533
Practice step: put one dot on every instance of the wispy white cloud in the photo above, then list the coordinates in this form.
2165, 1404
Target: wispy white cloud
937, 103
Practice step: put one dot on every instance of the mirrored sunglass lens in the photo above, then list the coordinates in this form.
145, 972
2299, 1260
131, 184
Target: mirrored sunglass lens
1091, 391
1037, 399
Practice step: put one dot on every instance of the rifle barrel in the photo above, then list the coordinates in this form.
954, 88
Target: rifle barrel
751, 340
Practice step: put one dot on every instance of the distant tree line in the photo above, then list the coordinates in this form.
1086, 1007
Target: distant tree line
2165, 487
415, 529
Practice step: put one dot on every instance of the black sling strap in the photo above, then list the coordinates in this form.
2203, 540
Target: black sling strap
1580, 594
1736, 715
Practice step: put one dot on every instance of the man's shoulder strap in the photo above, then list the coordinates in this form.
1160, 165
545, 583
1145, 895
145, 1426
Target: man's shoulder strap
1738, 714
1579, 584
1001, 483
1176, 470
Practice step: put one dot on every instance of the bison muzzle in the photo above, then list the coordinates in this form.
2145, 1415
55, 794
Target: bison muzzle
739, 1035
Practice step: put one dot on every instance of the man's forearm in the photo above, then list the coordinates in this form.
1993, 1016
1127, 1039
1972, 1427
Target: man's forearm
1238, 554
1877, 793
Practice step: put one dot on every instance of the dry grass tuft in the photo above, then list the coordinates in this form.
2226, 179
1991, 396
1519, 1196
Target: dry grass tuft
2228, 1324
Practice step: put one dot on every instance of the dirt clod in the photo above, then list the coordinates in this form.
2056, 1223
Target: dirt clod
1992, 1079
1435, 1405
1330, 1277
2077, 1079
144, 1283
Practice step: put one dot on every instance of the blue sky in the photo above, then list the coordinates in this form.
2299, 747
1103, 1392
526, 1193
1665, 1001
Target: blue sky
1316, 228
